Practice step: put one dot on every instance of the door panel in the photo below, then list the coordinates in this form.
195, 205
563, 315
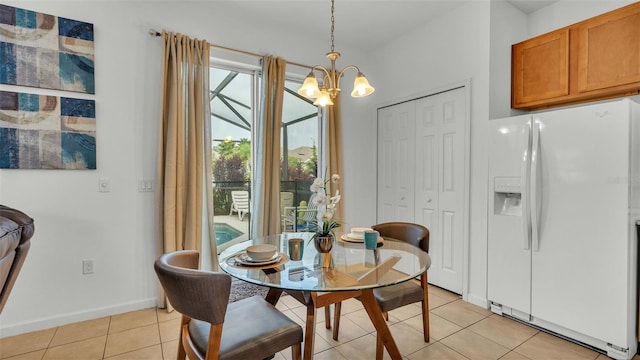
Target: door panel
448, 163
427, 154
385, 161
396, 171
540, 68
441, 118
448, 256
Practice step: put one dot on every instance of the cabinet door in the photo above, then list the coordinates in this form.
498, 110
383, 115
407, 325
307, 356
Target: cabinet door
540, 68
609, 50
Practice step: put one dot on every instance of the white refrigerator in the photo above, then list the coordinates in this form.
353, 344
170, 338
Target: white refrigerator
563, 201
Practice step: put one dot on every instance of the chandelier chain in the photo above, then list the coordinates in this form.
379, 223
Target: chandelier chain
332, 26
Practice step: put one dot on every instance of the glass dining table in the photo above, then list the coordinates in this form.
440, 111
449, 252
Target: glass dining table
321, 279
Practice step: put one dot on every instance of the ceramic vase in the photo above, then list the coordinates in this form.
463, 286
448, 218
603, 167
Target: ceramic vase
323, 243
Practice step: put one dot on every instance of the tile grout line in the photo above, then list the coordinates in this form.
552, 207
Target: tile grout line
159, 334
106, 340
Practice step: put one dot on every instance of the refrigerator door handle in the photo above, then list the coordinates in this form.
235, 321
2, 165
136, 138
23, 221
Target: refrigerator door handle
524, 186
535, 191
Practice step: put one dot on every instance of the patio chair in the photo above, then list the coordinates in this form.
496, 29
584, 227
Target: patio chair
300, 218
286, 202
240, 203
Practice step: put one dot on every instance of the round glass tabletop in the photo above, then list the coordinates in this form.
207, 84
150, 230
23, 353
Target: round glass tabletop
348, 267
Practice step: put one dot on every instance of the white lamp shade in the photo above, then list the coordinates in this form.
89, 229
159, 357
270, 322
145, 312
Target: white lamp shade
324, 99
361, 87
309, 88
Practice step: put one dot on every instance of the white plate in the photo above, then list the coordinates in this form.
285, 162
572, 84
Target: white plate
244, 259
347, 238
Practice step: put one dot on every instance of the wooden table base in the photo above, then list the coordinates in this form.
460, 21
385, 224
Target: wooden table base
313, 300
375, 314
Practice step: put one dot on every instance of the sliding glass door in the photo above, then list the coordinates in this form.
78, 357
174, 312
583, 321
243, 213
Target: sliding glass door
234, 99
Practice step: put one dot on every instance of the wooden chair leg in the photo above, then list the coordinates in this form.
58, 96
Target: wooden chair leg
296, 352
184, 326
379, 348
309, 331
336, 320
327, 316
425, 320
385, 314
425, 307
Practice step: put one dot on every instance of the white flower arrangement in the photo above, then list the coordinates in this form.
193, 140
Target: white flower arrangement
326, 205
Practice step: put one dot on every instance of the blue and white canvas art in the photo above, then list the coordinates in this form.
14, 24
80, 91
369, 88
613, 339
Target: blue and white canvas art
45, 51
46, 132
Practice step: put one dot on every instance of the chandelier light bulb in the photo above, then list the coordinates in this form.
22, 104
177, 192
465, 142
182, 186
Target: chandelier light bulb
324, 99
309, 88
361, 86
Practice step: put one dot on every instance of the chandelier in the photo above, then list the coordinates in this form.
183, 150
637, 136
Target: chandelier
331, 78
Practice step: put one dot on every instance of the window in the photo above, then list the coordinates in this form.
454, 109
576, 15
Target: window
235, 98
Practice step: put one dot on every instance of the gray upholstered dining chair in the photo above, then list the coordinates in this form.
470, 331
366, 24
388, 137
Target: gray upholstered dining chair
408, 292
253, 328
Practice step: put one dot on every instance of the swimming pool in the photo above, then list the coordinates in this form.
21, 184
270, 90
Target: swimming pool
225, 233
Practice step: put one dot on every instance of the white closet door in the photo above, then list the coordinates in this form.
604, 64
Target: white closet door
440, 183
422, 177
396, 168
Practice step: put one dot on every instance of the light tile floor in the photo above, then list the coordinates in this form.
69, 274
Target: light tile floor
459, 330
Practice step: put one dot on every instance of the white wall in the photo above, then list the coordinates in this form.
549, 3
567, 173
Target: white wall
452, 49
73, 220
508, 26
567, 12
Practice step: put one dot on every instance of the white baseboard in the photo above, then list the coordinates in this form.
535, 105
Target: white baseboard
68, 318
477, 300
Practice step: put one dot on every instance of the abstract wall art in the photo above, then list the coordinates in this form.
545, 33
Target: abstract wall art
46, 132
45, 51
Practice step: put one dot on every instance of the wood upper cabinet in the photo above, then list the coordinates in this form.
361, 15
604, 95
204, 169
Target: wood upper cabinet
595, 59
540, 68
609, 50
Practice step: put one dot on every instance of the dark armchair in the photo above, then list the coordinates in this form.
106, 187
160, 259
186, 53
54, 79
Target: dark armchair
16, 230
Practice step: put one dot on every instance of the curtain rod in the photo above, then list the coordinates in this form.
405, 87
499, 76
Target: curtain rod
156, 33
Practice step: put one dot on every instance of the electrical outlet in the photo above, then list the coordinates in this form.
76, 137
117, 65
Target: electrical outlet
87, 266
104, 185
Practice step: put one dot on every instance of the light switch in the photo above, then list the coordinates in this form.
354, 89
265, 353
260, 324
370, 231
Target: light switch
145, 185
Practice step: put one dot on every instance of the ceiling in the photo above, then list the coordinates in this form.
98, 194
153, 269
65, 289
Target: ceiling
529, 6
360, 24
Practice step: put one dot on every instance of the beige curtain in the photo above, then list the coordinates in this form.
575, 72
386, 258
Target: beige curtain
184, 147
266, 197
334, 153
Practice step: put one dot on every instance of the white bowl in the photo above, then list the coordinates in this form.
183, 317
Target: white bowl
261, 251
358, 232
